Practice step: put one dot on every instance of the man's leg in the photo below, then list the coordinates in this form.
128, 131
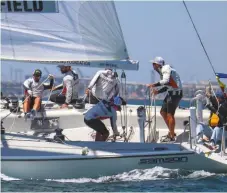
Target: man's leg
199, 131
216, 135
203, 132
163, 112
164, 116
26, 105
35, 106
207, 131
102, 133
37, 103
172, 105
57, 98
98, 136
171, 122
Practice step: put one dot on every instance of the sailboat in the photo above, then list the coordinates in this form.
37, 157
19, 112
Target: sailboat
76, 33
82, 33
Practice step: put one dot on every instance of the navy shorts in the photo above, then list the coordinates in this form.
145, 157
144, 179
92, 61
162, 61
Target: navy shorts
97, 125
171, 103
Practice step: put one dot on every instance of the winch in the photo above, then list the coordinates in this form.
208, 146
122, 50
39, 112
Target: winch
10, 102
14, 104
59, 137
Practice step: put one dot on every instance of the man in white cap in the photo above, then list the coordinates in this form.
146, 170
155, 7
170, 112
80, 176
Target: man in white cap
170, 82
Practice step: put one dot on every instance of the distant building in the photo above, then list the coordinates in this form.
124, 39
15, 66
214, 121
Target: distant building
133, 90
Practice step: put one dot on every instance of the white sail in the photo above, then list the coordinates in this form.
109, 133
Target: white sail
83, 33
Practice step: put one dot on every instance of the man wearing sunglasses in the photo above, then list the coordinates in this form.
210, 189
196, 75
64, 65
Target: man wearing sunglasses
171, 84
33, 93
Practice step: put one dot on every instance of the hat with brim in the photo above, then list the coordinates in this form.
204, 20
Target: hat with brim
158, 60
37, 72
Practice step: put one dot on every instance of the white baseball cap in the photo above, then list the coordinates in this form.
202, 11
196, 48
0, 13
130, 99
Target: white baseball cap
158, 60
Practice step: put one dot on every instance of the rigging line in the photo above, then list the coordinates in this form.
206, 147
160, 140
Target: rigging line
199, 38
124, 108
121, 95
123, 77
147, 103
10, 36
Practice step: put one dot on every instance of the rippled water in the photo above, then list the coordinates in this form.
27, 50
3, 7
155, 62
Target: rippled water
157, 179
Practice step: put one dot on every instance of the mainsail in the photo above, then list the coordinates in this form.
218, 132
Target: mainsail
85, 33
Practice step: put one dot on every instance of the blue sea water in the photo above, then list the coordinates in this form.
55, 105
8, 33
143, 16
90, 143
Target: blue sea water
150, 180
182, 104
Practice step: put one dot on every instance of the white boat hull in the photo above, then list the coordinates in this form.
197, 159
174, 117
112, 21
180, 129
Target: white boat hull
67, 168
27, 157
30, 157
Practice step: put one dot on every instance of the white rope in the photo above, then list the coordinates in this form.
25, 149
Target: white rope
49, 95
150, 117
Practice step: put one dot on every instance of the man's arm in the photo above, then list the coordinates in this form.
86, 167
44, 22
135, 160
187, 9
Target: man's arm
214, 102
117, 89
212, 105
94, 79
163, 89
222, 112
69, 92
166, 73
164, 81
27, 86
58, 87
48, 86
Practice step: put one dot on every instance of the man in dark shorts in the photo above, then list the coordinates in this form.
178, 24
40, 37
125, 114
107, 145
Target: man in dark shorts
69, 87
170, 82
104, 110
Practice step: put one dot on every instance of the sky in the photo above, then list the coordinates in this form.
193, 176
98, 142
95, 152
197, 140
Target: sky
164, 29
